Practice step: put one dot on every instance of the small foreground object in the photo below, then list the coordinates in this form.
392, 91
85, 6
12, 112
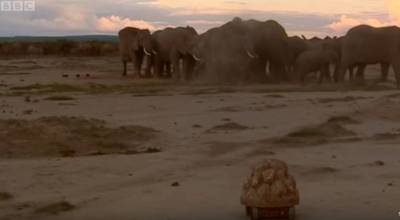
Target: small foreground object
175, 184
270, 192
65, 75
78, 75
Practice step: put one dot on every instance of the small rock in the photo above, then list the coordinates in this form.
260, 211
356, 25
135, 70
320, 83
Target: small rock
390, 184
175, 184
78, 75
65, 75
379, 163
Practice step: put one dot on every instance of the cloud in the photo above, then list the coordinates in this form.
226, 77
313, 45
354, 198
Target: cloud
394, 10
70, 17
203, 22
114, 23
346, 22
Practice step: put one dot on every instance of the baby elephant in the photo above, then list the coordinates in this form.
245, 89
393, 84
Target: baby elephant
314, 61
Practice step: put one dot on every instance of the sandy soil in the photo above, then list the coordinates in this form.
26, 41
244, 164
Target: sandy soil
341, 143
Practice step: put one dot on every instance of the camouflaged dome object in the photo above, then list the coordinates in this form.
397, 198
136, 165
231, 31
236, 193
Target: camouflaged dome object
270, 186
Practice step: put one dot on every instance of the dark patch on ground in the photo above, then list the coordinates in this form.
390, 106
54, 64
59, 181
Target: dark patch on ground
5, 196
231, 126
70, 136
330, 131
55, 208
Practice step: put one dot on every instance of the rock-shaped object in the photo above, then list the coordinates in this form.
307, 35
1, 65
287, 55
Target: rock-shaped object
270, 188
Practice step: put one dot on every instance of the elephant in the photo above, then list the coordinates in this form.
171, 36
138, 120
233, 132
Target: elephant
270, 44
313, 61
134, 45
222, 54
364, 45
297, 46
240, 50
359, 76
173, 45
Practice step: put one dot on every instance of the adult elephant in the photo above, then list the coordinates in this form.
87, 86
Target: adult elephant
240, 50
365, 45
270, 44
172, 46
134, 45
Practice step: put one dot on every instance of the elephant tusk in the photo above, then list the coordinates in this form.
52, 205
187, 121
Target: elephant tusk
196, 58
146, 52
252, 56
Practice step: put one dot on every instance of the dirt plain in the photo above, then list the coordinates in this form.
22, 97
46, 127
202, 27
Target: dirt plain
79, 141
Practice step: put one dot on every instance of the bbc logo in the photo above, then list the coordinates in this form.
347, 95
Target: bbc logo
17, 6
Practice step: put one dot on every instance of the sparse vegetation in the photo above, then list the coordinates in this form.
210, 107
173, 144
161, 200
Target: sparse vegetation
231, 126
386, 136
316, 135
60, 98
55, 208
70, 136
44, 89
342, 120
345, 99
90, 88
4, 196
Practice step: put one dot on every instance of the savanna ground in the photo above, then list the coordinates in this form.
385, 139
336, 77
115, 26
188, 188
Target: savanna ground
78, 141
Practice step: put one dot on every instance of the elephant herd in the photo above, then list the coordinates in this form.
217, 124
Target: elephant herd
258, 51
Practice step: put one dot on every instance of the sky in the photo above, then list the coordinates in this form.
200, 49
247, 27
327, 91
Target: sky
307, 17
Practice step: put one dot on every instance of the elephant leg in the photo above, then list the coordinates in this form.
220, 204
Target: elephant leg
124, 63
303, 76
158, 67
278, 73
385, 71
396, 68
149, 64
139, 63
324, 73
256, 70
176, 73
188, 66
337, 72
168, 70
344, 66
351, 73
360, 72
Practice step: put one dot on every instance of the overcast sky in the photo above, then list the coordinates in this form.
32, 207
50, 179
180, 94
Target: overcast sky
309, 17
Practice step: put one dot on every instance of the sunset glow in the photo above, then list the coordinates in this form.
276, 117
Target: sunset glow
311, 17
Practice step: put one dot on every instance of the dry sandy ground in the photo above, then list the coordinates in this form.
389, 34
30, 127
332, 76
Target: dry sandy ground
341, 144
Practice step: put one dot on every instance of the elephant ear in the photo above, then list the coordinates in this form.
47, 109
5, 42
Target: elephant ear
134, 46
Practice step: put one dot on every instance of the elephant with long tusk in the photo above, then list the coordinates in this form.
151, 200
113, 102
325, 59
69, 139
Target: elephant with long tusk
241, 49
173, 57
134, 45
